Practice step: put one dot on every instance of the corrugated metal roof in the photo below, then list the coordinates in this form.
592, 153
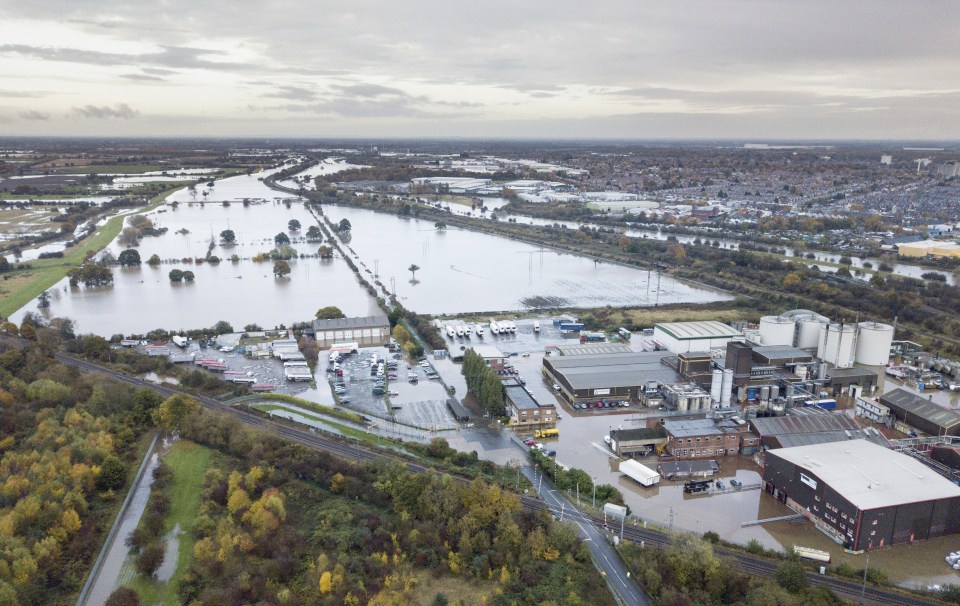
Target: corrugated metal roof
593, 349
692, 427
802, 423
364, 322
637, 433
520, 397
599, 371
697, 330
789, 440
921, 407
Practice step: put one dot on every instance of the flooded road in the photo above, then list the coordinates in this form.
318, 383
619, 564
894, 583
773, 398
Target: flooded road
465, 271
116, 551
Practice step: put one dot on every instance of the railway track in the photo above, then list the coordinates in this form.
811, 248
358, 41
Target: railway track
750, 564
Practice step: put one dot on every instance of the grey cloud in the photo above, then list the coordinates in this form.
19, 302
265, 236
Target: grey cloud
143, 77
20, 94
369, 90
34, 115
169, 57
294, 93
120, 111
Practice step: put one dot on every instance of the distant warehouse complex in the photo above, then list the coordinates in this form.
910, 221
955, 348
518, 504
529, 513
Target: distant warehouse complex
863, 494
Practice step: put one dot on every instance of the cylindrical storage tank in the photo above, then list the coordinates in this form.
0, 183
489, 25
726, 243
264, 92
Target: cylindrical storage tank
716, 385
726, 388
765, 393
682, 404
809, 332
873, 343
741, 394
777, 330
790, 390
836, 345
774, 392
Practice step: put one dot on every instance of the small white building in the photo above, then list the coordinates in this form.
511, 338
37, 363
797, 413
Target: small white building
875, 411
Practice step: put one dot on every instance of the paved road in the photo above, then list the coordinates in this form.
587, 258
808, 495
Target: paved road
624, 588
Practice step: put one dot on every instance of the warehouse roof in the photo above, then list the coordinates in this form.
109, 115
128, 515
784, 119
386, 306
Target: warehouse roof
612, 370
593, 348
803, 423
364, 322
488, 352
708, 329
870, 476
789, 440
850, 372
921, 407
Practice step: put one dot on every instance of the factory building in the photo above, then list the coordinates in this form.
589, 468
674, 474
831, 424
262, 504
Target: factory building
806, 426
862, 494
921, 414
624, 375
369, 331
929, 248
491, 354
683, 337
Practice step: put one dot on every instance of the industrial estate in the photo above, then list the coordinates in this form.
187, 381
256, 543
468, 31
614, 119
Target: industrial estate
638, 359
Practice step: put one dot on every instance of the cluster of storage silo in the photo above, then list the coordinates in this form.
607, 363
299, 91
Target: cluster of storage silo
721, 388
838, 344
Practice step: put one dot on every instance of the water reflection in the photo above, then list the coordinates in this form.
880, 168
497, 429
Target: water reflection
461, 271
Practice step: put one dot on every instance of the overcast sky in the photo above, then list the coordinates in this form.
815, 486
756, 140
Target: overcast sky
765, 69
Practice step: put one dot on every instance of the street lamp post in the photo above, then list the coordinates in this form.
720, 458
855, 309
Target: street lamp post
594, 493
863, 589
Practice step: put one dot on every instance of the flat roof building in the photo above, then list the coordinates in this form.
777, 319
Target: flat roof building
864, 495
697, 438
367, 331
525, 410
682, 337
918, 412
618, 375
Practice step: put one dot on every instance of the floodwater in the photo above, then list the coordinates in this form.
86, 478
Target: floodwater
465, 271
117, 550
143, 298
325, 167
232, 189
900, 269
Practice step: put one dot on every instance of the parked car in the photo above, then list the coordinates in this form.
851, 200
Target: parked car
529, 442
736, 483
550, 453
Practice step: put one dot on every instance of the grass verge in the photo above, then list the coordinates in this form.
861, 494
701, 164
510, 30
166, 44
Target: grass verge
189, 462
20, 287
350, 432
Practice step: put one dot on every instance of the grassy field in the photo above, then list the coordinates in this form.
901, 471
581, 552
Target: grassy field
189, 462
456, 589
349, 432
18, 288
462, 200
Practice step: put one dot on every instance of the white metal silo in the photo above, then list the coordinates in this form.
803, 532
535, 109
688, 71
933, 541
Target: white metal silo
873, 343
774, 392
726, 389
776, 330
837, 345
765, 393
716, 386
809, 332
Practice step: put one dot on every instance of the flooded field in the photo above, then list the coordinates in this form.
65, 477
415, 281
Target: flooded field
325, 167
143, 298
464, 271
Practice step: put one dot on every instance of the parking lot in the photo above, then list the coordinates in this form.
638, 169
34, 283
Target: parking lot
409, 397
525, 350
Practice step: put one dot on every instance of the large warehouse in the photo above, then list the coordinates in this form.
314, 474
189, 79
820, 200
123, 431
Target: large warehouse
683, 337
866, 495
369, 331
919, 412
617, 375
